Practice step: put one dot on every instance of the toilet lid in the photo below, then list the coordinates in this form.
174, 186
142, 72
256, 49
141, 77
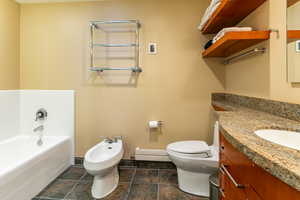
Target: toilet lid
189, 147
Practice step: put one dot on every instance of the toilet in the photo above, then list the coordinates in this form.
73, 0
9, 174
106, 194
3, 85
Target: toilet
195, 162
101, 162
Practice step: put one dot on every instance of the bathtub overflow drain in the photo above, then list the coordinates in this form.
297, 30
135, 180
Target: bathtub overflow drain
109, 147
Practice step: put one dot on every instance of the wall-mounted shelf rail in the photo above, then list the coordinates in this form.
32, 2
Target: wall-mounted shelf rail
116, 22
233, 42
247, 53
230, 13
133, 28
115, 45
102, 69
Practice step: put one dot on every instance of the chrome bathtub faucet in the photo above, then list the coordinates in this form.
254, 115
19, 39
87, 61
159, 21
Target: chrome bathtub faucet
39, 129
41, 115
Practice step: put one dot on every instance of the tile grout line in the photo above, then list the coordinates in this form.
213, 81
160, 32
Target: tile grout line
48, 198
130, 185
75, 185
158, 187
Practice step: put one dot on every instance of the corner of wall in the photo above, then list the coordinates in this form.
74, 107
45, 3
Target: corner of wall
280, 89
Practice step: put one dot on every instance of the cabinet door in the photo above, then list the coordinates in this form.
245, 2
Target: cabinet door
251, 194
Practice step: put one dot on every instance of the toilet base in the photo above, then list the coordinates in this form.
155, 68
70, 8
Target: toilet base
104, 185
193, 182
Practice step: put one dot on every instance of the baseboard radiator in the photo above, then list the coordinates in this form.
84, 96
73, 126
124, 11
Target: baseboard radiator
151, 154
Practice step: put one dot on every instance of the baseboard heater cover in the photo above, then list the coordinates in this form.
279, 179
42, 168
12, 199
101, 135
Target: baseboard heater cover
151, 154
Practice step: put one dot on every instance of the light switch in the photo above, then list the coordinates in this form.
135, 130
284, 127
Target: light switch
152, 48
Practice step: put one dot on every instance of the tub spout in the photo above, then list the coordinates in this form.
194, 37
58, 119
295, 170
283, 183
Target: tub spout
39, 128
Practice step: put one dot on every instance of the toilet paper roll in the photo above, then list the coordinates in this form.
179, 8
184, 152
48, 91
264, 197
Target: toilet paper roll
154, 124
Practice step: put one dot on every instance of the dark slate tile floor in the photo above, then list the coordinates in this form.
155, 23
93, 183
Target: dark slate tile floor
148, 181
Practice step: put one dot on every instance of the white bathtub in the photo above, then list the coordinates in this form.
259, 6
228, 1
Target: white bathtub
26, 168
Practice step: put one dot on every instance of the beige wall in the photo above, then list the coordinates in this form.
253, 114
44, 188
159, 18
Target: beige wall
280, 88
251, 75
266, 77
175, 85
9, 48
293, 56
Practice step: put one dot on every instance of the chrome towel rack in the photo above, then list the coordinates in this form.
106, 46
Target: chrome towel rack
247, 53
102, 69
99, 25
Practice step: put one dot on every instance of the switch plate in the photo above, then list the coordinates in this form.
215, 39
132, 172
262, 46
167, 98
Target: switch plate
152, 48
298, 46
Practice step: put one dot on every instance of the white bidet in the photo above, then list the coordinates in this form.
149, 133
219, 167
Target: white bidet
101, 161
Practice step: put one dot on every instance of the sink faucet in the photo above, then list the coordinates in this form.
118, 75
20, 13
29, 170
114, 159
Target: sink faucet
39, 128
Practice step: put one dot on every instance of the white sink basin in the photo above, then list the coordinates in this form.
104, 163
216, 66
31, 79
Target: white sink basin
285, 138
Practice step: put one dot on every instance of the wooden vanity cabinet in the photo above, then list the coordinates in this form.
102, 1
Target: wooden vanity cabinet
241, 179
218, 108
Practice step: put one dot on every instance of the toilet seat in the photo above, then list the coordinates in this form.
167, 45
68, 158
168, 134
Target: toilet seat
193, 148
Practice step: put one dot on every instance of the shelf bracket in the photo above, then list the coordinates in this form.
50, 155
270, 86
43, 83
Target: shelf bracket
275, 31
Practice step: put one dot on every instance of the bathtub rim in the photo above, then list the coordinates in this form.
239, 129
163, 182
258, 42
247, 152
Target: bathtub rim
8, 171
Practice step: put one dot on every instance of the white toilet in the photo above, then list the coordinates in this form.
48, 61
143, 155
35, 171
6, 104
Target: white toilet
101, 161
195, 162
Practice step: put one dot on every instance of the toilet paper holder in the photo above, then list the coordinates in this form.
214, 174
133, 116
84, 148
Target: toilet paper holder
155, 124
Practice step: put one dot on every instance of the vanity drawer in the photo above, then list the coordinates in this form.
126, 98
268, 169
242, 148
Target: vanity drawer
231, 182
229, 191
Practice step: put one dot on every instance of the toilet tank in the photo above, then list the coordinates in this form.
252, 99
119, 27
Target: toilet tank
216, 135
213, 130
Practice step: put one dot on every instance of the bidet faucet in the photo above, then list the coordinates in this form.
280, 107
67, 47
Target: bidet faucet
109, 140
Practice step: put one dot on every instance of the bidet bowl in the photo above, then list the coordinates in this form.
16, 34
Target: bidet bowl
101, 161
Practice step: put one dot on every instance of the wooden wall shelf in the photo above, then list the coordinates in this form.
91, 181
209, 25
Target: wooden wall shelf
230, 13
293, 34
233, 42
292, 2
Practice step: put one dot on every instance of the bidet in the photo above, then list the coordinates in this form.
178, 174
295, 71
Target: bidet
101, 162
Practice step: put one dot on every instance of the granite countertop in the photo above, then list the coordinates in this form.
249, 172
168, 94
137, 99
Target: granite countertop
238, 124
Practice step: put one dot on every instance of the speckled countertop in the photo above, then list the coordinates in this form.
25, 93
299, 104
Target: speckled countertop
238, 125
